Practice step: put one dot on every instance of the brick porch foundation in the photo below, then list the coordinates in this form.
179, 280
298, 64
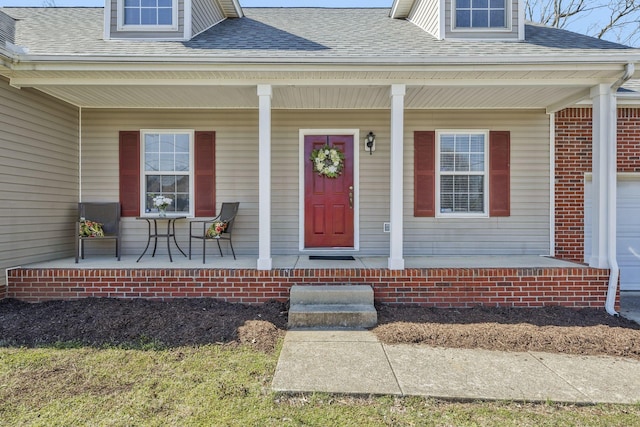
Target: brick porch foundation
434, 287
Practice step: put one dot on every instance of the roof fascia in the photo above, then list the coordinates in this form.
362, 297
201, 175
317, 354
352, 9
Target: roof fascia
106, 16
521, 20
238, 8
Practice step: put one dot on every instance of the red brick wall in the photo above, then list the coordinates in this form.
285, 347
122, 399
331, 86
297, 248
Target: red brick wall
629, 140
573, 159
526, 287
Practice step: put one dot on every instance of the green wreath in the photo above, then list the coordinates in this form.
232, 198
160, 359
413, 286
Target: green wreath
328, 161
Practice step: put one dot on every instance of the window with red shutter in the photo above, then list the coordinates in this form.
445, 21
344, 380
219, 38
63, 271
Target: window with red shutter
454, 175
129, 156
499, 173
205, 176
424, 193
178, 165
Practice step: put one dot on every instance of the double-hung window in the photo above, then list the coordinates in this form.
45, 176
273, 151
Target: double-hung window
144, 14
461, 178
479, 14
168, 165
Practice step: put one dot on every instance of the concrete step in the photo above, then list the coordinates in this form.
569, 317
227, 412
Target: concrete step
331, 294
335, 306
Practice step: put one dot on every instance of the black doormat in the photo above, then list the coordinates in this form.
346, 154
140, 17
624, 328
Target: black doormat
333, 257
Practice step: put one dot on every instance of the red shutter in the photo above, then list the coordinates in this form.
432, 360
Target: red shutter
499, 173
205, 173
424, 173
130, 173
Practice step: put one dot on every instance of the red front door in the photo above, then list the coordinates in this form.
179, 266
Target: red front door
328, 202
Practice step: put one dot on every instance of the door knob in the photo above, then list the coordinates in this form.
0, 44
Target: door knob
351, 196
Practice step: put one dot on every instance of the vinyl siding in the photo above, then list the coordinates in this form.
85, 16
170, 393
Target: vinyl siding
426, 15
483, 34
115, 34
524, 232
205, 14
7, 28
38, 177
236, 164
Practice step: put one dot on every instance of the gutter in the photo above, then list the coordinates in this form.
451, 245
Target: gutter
614, 269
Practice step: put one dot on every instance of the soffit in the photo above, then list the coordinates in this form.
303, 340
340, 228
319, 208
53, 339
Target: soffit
401, 8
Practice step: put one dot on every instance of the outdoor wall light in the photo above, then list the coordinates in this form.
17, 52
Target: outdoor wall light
370, 142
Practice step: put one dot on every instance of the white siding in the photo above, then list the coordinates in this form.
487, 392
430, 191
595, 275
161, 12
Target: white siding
426, 15
38, 177
205, 14
524, 232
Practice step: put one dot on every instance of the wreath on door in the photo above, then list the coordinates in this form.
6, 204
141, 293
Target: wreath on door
328, 161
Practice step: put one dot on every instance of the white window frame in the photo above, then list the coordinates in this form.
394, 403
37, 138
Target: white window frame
124, 27
485, 173
144, 172
508, 20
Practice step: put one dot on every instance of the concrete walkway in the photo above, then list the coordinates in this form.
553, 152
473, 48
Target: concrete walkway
355, 362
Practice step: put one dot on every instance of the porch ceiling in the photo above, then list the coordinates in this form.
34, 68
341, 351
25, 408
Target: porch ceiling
310, 97
443, 88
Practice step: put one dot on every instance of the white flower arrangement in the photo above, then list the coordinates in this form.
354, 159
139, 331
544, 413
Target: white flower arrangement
161, 202
328, 161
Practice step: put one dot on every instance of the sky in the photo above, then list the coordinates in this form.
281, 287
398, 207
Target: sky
580, 25
244, 3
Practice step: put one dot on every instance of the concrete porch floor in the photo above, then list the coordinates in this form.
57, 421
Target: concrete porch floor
303, 262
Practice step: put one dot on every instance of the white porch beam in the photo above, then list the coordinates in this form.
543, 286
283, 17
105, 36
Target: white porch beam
396, 258
569, 101
217, 80
265, 261
604, 176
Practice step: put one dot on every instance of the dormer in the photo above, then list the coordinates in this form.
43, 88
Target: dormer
465, 19
165, 19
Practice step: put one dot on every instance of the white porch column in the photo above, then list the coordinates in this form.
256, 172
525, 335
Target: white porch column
604, 176
396, 259
264, 178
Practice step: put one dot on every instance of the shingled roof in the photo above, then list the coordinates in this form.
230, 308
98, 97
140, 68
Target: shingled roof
299, 34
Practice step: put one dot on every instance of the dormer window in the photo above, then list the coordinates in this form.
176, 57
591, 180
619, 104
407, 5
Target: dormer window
480, 14
147, 15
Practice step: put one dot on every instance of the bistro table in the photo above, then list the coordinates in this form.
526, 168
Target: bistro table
171, 232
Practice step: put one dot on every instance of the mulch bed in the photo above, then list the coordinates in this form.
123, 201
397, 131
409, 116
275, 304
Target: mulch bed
548, 329
179, 322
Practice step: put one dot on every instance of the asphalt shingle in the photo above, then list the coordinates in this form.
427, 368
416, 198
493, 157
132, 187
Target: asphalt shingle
315, 34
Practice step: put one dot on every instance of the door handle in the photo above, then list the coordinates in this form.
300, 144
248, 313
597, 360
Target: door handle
351, 197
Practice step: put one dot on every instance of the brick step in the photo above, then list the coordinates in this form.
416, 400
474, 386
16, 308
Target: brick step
340, 306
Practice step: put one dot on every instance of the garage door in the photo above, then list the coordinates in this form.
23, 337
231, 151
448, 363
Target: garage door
628, 239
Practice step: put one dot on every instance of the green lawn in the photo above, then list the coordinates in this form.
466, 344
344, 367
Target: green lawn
229, 386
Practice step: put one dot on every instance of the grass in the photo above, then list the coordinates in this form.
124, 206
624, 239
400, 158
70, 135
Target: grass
229, 386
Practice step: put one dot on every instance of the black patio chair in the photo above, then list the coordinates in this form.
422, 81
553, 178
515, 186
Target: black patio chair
228, 212
108, 215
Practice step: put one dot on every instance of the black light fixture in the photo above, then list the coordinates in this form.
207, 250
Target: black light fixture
369, 140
